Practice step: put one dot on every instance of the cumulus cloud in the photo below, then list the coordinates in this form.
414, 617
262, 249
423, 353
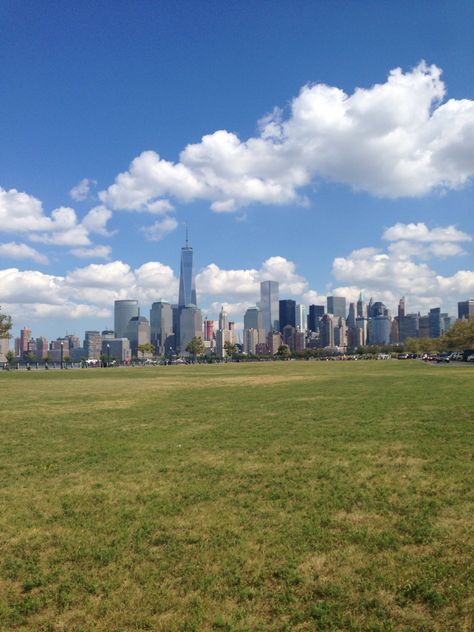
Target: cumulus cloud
82, 190
421, 233
12, 250
96, 220
160, 228
392, 140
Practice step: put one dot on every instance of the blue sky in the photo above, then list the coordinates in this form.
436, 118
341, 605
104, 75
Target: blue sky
318, 167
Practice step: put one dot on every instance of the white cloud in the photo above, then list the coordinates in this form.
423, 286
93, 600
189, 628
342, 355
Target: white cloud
12, 250
96, 220
82, 190
393, 139
96, 252
421, 233
160, 228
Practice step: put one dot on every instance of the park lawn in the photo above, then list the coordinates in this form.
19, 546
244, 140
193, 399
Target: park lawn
278, 496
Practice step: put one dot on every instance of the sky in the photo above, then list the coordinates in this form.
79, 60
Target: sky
325, 145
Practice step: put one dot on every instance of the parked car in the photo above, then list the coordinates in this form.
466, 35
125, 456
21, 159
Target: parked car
443, 357
470, 358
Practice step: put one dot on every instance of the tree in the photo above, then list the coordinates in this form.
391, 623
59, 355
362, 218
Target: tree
283, 352
195, 347
230, 348
146, 348
461, 335
5, 325
10, 356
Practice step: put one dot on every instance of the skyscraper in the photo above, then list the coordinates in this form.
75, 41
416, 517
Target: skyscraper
161, 326
187, 281
361, 307
316, 312
300, 317
269, 294
337, 306
123, 312
466, 308
287, 313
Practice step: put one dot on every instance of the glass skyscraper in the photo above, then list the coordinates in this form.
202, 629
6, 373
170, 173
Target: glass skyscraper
187, 282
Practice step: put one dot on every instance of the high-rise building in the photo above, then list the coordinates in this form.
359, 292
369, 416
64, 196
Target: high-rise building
466, 308
123, 312
116, 349
161, 327
379, 330
340, 332
273, 342
288, 336
223, 334
253, 318
361, 327
351, 317
269, 297
401, 307
361, 307
92, 344
138, 332
408, 326
424, 327
190, 326
208, 326
25, 335
435, 322
187, 281
287, 313
337, 306
250, 340
300, 317
316, 312
42, 348
326, 330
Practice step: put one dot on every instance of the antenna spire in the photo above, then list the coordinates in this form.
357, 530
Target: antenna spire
186, 235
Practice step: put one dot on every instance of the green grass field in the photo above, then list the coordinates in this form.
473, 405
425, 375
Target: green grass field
277, 496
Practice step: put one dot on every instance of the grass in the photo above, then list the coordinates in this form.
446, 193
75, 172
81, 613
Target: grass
294, 496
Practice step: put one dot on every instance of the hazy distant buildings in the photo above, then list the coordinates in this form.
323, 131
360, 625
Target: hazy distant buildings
316, 312
326, 331
161, 327
190, 326
337, 306
269, 304
138, 333
466, 308
92, 345
123, 312
408, 326
117, 349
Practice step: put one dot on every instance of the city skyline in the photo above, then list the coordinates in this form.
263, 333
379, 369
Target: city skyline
296, 156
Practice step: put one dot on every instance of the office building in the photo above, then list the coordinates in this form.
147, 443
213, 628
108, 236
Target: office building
161, 327
361, 307
287, 313
351, 317
466, 308
223, 334
25, 335
253, 318
42, 349
326, 331
300, 317
117, 349
379, 329
288, 336
424, 327
92, 345
435, 322
361, 327
316, 312
337, 306
408, 327
138, 333
187, 281
340, 332
190, 326
273, 342
250, 340
124, 311
401, 307
269, 305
